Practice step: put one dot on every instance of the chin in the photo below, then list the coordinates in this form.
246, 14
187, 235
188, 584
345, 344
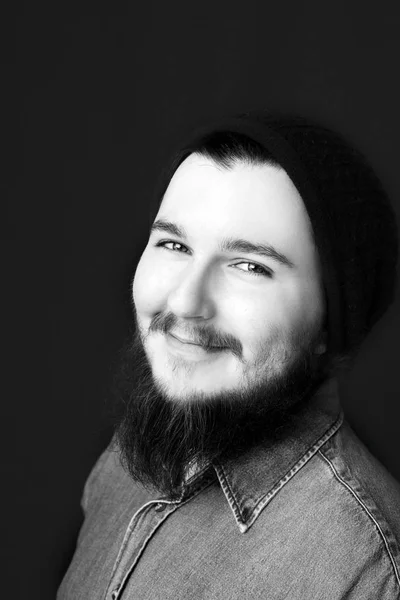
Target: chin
185, 383
181, 373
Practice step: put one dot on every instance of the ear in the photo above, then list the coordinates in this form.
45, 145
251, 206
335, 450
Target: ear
322, 344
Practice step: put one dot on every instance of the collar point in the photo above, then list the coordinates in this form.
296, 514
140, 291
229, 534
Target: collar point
243, 527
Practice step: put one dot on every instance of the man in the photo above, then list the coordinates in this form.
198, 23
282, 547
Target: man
232, 473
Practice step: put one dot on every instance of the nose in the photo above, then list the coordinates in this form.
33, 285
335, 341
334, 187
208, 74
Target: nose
190, 296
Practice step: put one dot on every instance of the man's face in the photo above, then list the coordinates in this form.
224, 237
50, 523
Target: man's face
214, 315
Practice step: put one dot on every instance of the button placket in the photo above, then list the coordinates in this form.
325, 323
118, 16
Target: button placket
141, 528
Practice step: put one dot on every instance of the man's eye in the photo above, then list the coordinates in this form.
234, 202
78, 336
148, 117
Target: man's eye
253, 268
256, 270
174, 246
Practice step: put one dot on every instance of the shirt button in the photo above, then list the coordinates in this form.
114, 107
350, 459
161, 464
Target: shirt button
160, 507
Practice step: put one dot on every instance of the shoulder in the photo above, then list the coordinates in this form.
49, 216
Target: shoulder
336, 523
109, 483
364, 480
356, 510
105, 467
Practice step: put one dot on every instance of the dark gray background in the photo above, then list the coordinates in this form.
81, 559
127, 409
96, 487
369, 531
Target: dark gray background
94, 99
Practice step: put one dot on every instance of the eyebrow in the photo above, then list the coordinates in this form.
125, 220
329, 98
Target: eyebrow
228, 244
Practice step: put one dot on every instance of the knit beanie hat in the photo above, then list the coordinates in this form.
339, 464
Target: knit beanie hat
353, 222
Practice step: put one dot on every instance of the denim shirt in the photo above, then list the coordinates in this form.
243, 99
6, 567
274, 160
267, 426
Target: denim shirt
314, 517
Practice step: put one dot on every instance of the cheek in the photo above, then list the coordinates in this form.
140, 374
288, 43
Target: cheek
148, 287
298, 308
307, 304
260, 319
251, 320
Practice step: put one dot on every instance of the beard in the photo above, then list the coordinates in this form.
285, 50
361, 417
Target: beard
160, 439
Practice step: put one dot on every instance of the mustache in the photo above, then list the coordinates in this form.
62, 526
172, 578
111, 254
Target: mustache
204, 336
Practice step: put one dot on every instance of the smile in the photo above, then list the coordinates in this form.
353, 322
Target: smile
189, 348
183, 341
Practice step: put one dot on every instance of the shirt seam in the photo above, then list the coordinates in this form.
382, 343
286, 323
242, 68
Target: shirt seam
244, 524
124, 542
230, 496
311, 452
368, 512
142, 547
128, 532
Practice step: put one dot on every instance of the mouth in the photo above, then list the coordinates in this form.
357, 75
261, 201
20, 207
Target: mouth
183, 341
188, 347
191, 343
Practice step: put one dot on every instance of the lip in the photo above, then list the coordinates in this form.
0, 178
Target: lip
194, 343
192, 348
184, 341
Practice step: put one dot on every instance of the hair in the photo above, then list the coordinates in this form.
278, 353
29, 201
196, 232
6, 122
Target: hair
225, 148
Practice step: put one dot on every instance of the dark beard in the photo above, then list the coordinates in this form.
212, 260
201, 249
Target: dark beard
159, 439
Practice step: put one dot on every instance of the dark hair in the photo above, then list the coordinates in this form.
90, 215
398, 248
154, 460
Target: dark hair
225, 148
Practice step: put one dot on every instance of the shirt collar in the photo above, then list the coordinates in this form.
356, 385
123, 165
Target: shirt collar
251, 481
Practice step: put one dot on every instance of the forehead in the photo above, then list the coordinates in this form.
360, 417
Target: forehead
255, 202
